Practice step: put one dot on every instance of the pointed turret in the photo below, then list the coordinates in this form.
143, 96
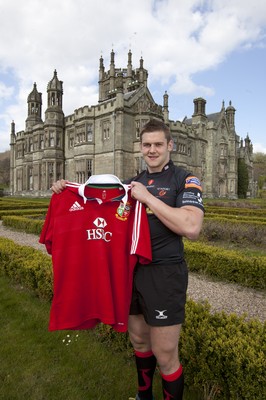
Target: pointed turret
230, 115
165, 107
34, 107
112, 71
55, 92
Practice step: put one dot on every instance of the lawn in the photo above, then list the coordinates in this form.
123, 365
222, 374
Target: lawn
37, 364
63, 365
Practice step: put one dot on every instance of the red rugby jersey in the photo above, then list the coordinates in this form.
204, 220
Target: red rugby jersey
95, 233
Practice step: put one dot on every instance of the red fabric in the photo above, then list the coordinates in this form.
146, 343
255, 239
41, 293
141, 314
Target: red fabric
94, 250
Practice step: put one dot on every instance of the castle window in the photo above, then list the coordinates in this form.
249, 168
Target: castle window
139, 125
59, 167
137, 129
175, 144
30, 179
51, 139
106, 130
58, 141
89, 168
182, 148
89, 133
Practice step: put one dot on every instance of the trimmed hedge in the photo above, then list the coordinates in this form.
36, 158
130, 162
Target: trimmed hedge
23, 212
237, 218
28, 266
28, 225
251, 212
226, 265
224, 354
234, 232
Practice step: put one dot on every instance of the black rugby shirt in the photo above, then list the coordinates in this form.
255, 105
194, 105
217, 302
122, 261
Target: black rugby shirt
177, 188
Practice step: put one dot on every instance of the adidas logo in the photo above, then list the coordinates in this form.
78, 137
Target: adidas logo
76, 207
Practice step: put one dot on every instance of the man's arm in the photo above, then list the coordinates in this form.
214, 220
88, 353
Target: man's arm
185, 221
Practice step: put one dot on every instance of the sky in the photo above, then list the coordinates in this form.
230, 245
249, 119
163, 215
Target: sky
215, 49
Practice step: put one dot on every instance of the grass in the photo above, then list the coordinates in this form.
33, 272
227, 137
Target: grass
41, 365
37, 364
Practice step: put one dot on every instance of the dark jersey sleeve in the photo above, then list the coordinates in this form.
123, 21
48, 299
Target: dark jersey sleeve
190, 193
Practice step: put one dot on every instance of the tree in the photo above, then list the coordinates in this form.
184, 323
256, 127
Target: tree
259, 164
243, 179
5, 171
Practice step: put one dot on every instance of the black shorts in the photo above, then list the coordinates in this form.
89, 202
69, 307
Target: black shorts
159, 293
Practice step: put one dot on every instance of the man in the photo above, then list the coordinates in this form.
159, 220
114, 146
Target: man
173, 201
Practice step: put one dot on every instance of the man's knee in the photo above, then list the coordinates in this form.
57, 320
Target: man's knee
139, 333
165, 347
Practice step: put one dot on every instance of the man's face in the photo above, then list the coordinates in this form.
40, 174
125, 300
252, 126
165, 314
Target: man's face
155, 150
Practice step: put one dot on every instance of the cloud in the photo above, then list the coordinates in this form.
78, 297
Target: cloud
5, 91
176, 38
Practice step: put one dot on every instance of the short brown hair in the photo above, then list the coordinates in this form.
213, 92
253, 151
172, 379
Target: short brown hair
156, 125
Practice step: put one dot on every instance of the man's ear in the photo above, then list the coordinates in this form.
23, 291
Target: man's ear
170, 145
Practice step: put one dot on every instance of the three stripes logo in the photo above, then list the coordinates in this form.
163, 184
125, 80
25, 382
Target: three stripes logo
76, 207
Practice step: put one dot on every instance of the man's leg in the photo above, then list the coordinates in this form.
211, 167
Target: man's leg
139, 333
164, 344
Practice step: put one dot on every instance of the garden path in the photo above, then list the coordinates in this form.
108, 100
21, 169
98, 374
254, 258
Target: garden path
221, 296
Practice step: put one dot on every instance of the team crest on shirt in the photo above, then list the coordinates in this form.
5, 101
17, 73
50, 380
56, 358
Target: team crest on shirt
123, 211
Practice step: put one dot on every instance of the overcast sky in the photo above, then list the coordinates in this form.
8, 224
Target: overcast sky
213, 49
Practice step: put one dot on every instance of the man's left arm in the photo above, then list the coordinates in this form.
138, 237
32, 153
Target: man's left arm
185, 221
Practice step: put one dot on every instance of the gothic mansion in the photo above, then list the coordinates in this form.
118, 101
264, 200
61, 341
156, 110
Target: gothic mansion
104, 138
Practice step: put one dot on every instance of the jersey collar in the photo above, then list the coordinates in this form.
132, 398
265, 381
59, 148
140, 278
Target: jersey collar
103, 179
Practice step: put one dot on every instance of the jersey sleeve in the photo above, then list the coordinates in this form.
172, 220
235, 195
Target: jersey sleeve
190, 193
47, 229
141, 242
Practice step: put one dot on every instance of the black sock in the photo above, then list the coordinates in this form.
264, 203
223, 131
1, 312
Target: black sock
173, 385
146, 364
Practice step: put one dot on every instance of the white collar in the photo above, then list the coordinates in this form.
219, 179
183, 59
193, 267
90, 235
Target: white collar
101, 180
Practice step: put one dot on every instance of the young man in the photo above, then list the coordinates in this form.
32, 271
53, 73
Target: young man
173, 200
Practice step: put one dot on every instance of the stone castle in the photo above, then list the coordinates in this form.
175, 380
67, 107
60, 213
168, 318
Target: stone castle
104, 138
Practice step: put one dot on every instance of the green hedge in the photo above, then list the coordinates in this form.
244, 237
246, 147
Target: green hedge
28, 225
224, 354
237, 218
28, 266
23, 212
227, 265
234, 231
252, 212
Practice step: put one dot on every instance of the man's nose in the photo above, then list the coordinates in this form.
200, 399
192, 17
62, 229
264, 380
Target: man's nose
152, 148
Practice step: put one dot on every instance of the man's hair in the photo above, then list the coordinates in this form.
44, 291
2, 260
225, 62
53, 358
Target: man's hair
156, 125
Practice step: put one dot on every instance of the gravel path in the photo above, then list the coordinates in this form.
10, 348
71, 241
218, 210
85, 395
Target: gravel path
227, 297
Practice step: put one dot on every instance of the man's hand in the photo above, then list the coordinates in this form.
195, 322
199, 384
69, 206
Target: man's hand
59, 186
139, 192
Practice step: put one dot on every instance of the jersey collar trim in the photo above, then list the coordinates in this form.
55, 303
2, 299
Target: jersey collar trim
103, 179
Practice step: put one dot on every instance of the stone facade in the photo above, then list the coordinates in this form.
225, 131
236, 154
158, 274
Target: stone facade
104, 138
